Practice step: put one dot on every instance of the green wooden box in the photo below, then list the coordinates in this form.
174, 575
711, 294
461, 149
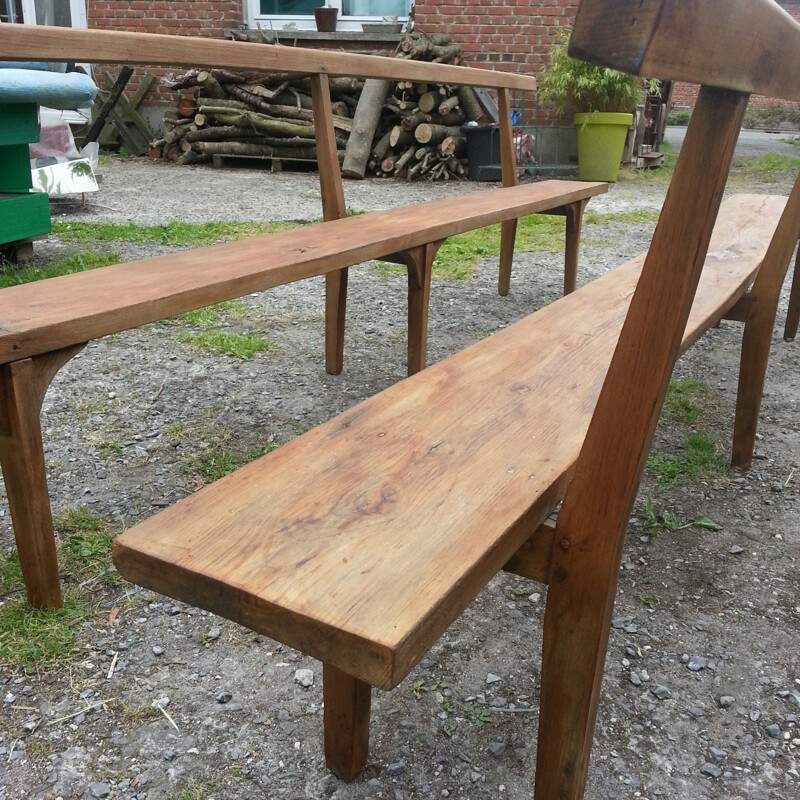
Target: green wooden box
23, 216
19, 123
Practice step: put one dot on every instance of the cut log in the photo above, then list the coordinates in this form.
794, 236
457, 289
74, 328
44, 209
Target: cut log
290, 98
186, 106
254, 150
399, 138
405, 159
209, 85
453, 146
231, 133
270, 125
428, 101
190, 157
365, 123
412, 120
387, 165
451, 104
381, 147
427, 133
468, 101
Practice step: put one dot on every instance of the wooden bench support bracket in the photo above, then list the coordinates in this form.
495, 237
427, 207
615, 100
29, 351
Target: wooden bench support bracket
346, 719
22, 388
532, 560
508, 170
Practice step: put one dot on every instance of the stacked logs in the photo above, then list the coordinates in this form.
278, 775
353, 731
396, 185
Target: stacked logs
419, 133
249, 114
400, 129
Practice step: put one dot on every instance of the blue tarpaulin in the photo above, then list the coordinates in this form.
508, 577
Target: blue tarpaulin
69, 90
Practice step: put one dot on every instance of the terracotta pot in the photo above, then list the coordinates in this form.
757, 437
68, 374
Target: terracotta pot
326, 19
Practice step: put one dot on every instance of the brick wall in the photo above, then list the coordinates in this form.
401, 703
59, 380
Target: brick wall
507, 35
181, 17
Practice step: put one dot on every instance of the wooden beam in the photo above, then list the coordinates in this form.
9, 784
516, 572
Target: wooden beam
43, 43
747, 45
508, 172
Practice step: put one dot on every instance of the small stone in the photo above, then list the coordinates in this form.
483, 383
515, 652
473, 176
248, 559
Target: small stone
213, 634
100, 790
661, 692
735, 549
773, 731
224, 697
492, 678
30, 726
697, 663
710, 770
174, 611
168, 755
305, 677
717, 754
398, 768
755, 716
635, 679
158, 651
497, 748
794, 697
644, 675
474, 776
777, 486
726, 701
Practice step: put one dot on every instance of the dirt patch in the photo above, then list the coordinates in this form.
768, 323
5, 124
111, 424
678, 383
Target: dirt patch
701, 694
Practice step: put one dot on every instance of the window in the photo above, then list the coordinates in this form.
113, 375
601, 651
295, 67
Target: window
299, 14
66, 13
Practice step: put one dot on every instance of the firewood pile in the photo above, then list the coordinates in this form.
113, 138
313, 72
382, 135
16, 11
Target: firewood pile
400, 129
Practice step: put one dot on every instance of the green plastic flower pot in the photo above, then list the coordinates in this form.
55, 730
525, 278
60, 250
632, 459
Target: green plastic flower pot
601, 138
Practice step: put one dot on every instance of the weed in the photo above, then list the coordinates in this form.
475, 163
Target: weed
175, 431
141, 713
173, 233
478, 716
699, 459
10, 571
33, 639
112, 448
214, 462
37, 749
685, 399
648, 595
235, 345
87, 548
387, 270
199, 790
76, 262
672, 522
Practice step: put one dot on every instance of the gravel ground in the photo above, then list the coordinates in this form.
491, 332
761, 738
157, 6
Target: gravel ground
701, 694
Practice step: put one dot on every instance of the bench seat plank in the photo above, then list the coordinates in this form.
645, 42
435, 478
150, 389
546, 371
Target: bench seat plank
304, 545
49, 315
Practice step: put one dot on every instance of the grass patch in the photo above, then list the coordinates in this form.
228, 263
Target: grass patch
210, 316
10, 571
636, 217
767, 165
173, 233
235, 345
387, 270
76, 262
217, 461
698, 459
33, 639
85, 548
685, 400
110, 449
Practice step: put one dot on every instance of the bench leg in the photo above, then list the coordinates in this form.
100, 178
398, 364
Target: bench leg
347, 703
574, 215
335, 308
508, 233
420, 263
793, 314
22, 388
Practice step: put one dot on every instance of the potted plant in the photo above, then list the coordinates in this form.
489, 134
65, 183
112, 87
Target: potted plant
604, 100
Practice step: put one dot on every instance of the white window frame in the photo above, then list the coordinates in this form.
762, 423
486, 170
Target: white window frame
77, 12
79, 20
277, 22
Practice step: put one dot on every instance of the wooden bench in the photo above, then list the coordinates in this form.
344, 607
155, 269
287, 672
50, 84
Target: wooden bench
42, 326
360, 541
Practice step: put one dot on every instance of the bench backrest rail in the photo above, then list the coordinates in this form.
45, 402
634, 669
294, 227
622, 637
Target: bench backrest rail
676, 41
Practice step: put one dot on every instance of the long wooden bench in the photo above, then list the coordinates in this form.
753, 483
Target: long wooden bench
43, 326
360, 541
